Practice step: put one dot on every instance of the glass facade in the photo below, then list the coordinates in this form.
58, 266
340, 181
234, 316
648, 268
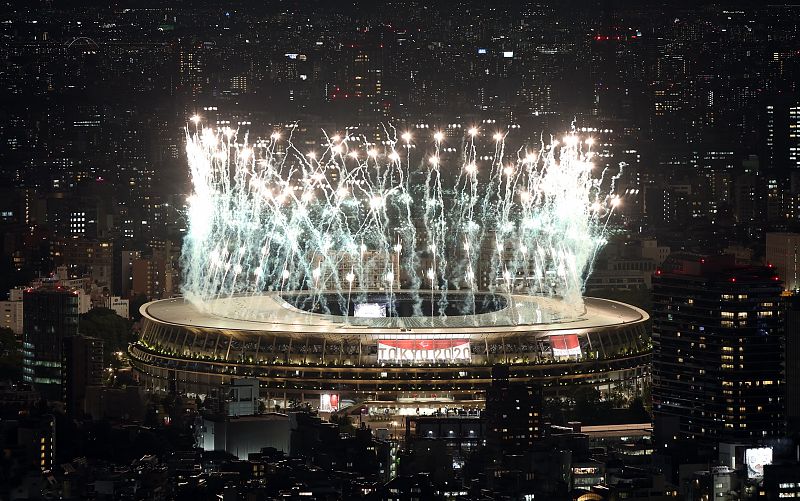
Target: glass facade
717, 353
49, 315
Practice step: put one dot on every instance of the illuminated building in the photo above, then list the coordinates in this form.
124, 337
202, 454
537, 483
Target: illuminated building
37, 437
50, 315
410, 362
780, 482
192, 66
717, 351
782, 145
11, 316
123, 272
119, 305
86, 257
154, 275
513, 413
720, 482
782, 253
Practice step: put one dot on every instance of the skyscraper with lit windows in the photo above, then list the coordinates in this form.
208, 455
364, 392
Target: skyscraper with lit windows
717, 352
50, 314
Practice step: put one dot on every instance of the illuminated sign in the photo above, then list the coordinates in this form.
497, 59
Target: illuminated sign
482, 51
370, 310
756, 459
328, 402
565, 345
508, 54
423, 350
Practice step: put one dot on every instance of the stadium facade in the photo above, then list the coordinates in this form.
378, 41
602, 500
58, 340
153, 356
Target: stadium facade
301, 352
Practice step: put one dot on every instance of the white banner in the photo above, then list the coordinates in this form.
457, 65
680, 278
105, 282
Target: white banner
423, 350
329, 402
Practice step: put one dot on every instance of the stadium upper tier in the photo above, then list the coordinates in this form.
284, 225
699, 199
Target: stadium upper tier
292, 350
288, 313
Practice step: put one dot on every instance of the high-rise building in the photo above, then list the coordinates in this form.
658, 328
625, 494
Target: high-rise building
513, 413
50, 315
782, 253
717, 352
82, 366
123, 275
192, 68
86, 257
363, 77
792, 363
11, 316
782, 134
155, 276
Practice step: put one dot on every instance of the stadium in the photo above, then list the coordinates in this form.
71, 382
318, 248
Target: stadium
382, 352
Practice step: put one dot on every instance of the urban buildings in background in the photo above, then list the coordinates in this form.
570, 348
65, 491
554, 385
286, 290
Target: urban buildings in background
699, 104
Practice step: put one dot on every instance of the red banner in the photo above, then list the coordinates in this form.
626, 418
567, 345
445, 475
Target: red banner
565, 345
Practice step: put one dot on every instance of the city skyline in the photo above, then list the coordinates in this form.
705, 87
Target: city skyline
400, 250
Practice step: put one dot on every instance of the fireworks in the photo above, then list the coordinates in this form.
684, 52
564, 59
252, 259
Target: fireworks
403, 214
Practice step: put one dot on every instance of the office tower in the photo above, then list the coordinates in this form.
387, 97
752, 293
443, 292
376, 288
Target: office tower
792, 363
782, 249
123, 272
363, 74
50, 314
513, 413
193, 60
11, 316
717, 352
155, 276
782, 133
82, 367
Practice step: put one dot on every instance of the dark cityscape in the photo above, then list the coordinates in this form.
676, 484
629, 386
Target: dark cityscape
400, 250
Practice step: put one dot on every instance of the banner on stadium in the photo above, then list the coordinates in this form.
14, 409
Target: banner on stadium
423, 350
565, 345
329, 402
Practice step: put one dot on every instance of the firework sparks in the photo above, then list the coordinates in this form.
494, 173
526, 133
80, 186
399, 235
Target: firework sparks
357, 216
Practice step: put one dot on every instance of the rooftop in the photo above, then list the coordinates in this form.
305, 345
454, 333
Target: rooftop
269, 312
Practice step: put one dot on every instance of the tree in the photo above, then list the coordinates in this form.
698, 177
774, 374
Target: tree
105, 324
343, 422
587, 403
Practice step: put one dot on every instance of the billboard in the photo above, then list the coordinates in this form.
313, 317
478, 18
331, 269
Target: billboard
369, 310
565, 345
329, 402
423, 350
755, 459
